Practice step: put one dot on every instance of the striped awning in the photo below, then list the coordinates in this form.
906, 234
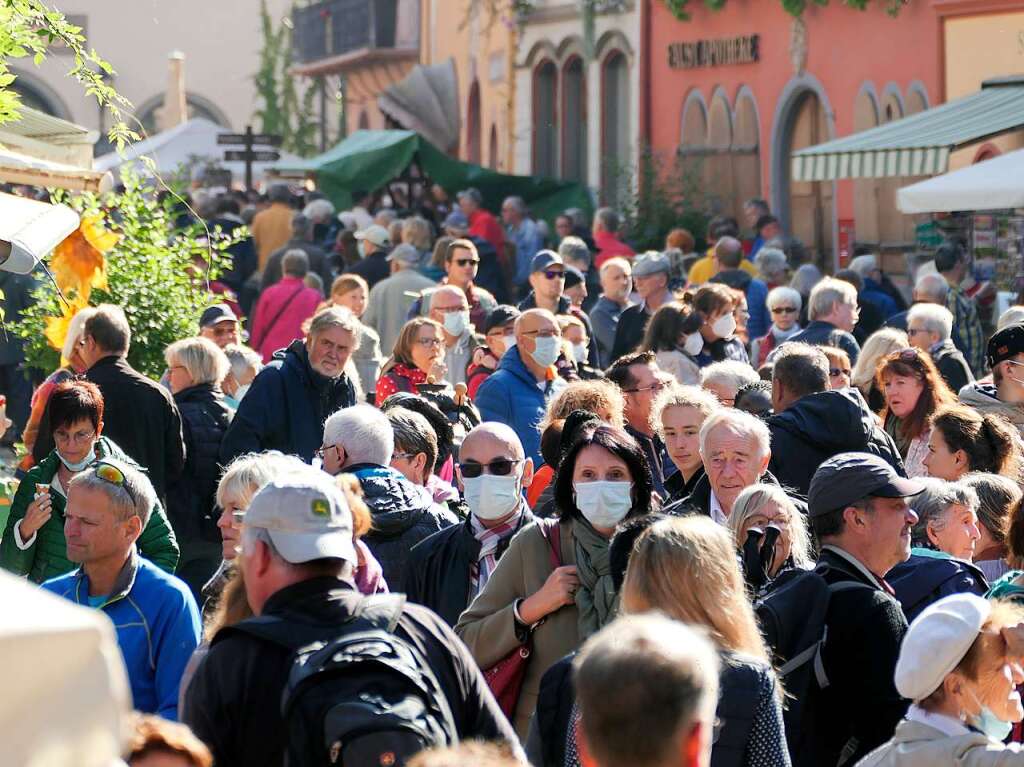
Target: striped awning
918, 145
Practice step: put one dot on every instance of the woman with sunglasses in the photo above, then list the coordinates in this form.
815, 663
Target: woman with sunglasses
913, 391
784, 304
418, 358
33, 541
555, 589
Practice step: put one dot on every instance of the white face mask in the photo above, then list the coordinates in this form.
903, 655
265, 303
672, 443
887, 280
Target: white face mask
491, 496
605, 503
580, 352
82, 465
546, 351
456, 322
510, 340
724, 326
240, 392
694, 343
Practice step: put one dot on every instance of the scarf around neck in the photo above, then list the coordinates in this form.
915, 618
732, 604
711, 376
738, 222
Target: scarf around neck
781, 336
490, 539
596, 598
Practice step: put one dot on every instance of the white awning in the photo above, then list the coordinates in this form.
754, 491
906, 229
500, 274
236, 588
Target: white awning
994, 184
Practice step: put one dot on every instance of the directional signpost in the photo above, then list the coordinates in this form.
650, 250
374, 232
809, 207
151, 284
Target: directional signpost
249, 154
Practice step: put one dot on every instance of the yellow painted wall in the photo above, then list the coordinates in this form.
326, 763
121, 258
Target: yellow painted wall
980, 47
481, 48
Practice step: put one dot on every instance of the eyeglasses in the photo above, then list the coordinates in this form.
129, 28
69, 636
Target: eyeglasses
543, 333
321, 452
554, 274
784, 310
430, 342
502, 467
110, 473
911, 332
657, 386
466, 261
73, 439
833, 372
404, 456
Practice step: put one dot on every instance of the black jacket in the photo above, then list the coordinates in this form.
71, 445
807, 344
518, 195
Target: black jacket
865, 629
319, 264
140, 416
439, 568
373, 268
952, 366
629, 333
926, 578
676, 489
403, 515
234, 701
191, 503
285, 408
817, 427
699, 500
243, 253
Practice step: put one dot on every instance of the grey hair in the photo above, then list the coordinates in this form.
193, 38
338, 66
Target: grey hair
609, 219
805, 278
574, 248
516, 202
676, 395
772, 262
279, 193
319, 210
136, 498
245, 475
108, 327
75, 329
738, 422
935, 318
242, 359
618, 261
729, 252
335, 317
414, 434
932, 504
784, 294
826, 294
932, 285
754, 498
864, 265
295, 263
301, 224
364, 432
730, 373
201, 357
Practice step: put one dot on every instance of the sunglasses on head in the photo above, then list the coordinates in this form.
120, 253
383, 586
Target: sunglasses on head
910, 354
110, 473
554, 274
501, 467
783, 310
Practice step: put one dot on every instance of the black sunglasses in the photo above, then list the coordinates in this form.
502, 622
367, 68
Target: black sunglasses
466, 261
833, 372
554, 274
783, 310
502, 467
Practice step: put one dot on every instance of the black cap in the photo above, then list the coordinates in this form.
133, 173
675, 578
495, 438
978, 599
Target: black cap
1005, 344
573, 276
502, 314
216, 313
850, 477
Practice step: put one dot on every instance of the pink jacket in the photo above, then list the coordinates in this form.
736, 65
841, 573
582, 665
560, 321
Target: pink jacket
279, 314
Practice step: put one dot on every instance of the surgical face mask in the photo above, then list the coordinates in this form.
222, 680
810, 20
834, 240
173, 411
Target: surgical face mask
240, 392
546, 351
580, 352
77, 467
456, 322
361, 247
724, 326
491, 496
694, 343
604, 503
510, 340
989, 724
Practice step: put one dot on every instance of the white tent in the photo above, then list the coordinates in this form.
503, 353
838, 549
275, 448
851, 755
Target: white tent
996, 184
65, 696
183, 144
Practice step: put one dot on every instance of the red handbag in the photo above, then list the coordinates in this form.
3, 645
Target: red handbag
505, 678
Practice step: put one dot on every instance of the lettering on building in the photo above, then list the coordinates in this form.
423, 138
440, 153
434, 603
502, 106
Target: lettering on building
715, 53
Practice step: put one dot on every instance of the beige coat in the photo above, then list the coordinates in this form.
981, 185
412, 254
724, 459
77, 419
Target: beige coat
487, 626
918, 745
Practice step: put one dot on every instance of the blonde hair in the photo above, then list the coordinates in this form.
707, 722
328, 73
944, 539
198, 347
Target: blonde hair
416, 232
245, 475
593, 396
402, 352
880, 344
201, 357
676, 395
754, 498
687, 568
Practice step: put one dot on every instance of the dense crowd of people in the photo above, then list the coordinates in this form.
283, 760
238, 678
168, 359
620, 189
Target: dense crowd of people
446, 488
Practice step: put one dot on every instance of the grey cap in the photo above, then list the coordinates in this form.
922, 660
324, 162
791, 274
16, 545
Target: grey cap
850, 477
376, 234
651, 262
456, 220
406, 254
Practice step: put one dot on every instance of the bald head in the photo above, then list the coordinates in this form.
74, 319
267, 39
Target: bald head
533, 320
448, 298
729, 252
499, 435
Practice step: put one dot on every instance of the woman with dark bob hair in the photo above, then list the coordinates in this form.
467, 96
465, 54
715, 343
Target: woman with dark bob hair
33, 541
554, 585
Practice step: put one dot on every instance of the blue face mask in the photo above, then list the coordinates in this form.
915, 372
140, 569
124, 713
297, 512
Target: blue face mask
990, 725
82, 465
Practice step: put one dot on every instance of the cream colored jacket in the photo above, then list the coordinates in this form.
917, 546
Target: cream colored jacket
919, 745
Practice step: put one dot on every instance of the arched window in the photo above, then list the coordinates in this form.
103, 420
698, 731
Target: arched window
473, 124
746, 158
810, 202
148, 113
865, 190
718, 167
574, 122
545, 119
616, 116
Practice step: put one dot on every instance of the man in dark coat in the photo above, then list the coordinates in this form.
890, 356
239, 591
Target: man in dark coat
288, 402
833, 312
359, 441
859, 513
139, 414
448, 569
812, 423
302, 239
651, 273
930, 329
374, 246
243, 252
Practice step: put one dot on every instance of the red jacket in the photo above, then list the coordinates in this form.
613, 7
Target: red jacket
279, 314
609, 246
486, 227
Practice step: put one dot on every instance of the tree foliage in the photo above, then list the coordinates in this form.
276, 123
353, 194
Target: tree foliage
680, 8
27, 29
150, 272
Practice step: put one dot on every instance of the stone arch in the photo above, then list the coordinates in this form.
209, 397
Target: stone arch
36, 93
917, 98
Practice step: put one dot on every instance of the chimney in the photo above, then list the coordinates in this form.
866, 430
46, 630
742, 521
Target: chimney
175, 110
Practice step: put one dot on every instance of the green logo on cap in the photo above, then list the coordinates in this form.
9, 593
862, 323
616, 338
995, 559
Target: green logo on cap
321, 508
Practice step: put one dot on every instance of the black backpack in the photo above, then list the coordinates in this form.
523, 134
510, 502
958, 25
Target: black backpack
357, 695
792, 617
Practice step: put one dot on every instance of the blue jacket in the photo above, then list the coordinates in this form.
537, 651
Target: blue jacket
285, 408
821, 333
756, 292
511, 395
158, 628
873, 292
930, 575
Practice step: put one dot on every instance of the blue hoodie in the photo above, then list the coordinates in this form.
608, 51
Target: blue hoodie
158, 628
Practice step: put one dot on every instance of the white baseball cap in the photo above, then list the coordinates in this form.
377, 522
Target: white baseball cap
306, 516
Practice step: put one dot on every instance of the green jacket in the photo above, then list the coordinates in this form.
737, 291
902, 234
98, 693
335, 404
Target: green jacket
47, 557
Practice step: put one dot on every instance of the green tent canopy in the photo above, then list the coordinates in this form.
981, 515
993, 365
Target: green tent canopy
370, 159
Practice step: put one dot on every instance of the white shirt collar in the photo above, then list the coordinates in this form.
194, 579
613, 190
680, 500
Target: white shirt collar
947, 725
855, 562
717, 513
